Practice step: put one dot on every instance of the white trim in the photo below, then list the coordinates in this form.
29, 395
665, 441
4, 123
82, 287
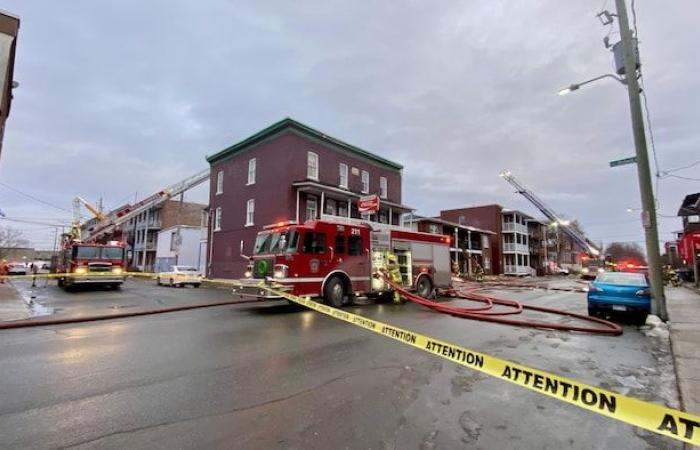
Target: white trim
364, 174
252, 162
250, 212
383, 181
308, 166
219, 182
216, 226
340, 176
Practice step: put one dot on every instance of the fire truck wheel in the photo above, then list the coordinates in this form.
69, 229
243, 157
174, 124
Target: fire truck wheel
424, 287
334, 293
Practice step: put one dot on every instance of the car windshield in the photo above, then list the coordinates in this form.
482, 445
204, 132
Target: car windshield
619, 278
86, 252
278, 242
112, 253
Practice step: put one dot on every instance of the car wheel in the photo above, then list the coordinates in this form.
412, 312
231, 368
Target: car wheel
172, 283
424, 287
640, 318
593, 311
334, 292
158, 281
196, 285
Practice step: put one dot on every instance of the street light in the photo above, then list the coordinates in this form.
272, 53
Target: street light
577, 86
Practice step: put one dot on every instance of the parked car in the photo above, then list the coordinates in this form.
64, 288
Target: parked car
560, 271
592, 269
180, 276
625, 292
17, 268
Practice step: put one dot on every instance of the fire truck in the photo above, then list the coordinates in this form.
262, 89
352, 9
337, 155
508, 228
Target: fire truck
337, 260
90, 263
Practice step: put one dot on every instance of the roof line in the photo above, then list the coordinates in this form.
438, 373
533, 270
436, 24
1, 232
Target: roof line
288, 122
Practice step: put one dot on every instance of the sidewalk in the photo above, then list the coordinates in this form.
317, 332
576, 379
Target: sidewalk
683, 305
12, 307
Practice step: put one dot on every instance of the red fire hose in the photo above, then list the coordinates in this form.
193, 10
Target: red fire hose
488, 315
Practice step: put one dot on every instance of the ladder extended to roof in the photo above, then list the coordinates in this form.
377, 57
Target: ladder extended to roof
570, 231
112, 221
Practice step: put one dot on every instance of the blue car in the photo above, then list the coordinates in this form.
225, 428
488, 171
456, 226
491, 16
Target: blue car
620, 291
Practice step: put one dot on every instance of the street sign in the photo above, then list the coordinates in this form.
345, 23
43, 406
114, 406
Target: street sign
622, 162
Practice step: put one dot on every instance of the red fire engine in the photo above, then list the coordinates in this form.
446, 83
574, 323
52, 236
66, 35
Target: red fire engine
336, 260
90, 263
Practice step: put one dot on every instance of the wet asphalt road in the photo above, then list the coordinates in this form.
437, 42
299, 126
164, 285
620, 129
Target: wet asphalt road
268, 375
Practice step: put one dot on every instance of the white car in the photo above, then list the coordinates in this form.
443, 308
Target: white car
16, 268
180, 276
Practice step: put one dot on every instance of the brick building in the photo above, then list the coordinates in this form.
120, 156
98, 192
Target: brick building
9, 27
470, 246
290, 171
141, 232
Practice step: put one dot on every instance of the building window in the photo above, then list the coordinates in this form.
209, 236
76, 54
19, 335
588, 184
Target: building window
220, 182
330, 207
485, 241
343, 176
312, 165
434, 228
382, 217
173, 241
250, 212
311, 208
382, 187
365, 182
217, 219
251, 171
342, 209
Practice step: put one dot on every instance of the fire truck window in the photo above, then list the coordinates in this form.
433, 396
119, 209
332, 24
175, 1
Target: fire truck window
314, 243
292, 242
262, 244
340, 244
112, 253
86, 252
355, 246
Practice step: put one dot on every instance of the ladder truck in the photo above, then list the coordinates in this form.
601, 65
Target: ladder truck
591, 249
111, 222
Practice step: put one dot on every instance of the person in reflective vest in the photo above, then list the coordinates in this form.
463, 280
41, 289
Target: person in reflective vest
394, 273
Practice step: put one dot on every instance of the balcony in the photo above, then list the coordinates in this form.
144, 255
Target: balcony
150, 246
513, 227
516, 270
512, 247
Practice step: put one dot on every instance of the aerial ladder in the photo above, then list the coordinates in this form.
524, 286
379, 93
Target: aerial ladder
75, 232
108, 223
564, 225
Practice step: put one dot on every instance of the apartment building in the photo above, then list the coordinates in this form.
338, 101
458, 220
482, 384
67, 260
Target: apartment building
291, 172
9, 27
469, 246
141, 232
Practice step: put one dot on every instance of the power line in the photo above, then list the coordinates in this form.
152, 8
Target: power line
683, 178
34, 198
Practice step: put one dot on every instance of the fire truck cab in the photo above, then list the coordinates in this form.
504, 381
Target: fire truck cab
337, 260
90, 263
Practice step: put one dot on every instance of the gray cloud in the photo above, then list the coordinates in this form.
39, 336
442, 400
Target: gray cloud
118, 97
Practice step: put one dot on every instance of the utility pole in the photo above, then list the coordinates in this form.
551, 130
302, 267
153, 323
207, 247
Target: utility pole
629, 49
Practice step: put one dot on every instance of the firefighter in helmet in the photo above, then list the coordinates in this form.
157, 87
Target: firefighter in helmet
3, 270
394, 273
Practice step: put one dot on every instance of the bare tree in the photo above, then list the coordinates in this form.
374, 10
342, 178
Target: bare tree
11, 238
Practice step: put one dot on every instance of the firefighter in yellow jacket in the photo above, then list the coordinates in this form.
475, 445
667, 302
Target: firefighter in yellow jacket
392, 269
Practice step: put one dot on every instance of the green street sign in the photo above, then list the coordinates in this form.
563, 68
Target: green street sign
622, 162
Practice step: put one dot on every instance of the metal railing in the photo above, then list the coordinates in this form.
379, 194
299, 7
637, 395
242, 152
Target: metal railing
512, 227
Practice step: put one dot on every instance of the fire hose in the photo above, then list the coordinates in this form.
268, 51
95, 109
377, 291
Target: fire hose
487, 314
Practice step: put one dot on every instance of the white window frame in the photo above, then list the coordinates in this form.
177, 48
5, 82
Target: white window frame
311, 200
220, 182
312, 168
365, 182
250, 212
252, 166
217, 219
383, 187
343, 172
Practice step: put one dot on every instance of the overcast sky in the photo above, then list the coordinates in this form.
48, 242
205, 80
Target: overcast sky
119, 99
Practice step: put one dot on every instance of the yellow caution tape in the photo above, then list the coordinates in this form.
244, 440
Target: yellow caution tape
651, 416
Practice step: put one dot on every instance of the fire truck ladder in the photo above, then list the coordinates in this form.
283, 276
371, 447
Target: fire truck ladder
114, 220
570, 231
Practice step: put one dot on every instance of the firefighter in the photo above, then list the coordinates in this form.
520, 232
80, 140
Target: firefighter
394, 273
34, 270
3, 271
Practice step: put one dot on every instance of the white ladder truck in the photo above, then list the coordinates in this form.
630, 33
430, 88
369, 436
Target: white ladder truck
592, 249
110, 222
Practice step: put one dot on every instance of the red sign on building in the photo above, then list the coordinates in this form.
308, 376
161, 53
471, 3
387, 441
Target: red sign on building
368, 204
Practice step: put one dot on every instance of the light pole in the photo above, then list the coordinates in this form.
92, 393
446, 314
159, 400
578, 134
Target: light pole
631, 60
576, 86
